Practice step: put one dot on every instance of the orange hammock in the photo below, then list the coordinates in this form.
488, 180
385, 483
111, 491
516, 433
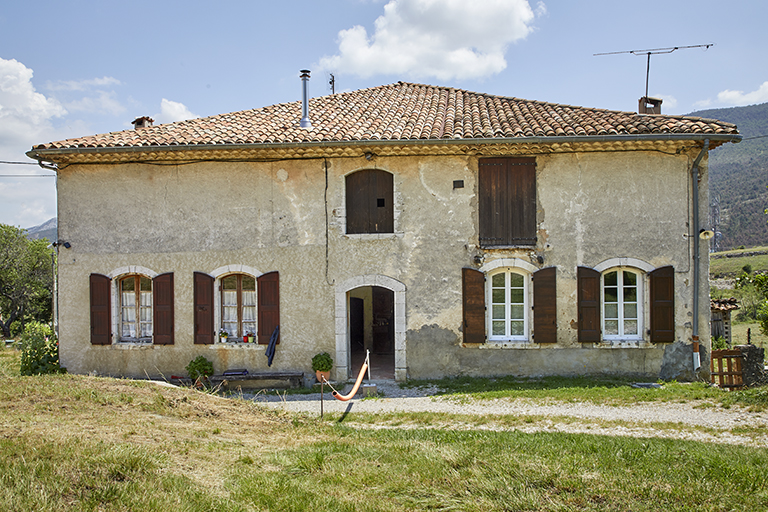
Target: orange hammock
352, 393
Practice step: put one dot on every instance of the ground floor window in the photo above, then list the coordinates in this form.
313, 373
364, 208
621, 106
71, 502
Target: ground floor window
508, 301
622, 304
136, 309
238, 305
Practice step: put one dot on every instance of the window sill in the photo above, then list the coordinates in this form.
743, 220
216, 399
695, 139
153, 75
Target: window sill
507, 344
623, 344
133, 345
374, 236
238, 346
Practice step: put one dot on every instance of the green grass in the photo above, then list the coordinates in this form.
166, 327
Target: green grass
72, 442
731, 267
739, 334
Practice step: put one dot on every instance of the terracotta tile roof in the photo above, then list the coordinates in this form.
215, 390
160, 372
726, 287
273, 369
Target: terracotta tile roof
400, 112
723, 304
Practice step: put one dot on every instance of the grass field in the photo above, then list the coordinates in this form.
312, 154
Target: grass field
731, 267
86, 443
739, 334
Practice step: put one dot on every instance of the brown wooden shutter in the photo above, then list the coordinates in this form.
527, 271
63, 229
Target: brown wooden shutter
162, 298
101, 310
370, 202
507, 201
589, 304
269, 305
663, 305
473, 305
545, 305
203, 297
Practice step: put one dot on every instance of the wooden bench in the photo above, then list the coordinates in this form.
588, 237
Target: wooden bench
294, 378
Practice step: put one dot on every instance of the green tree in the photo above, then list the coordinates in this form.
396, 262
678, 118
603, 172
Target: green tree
26, 280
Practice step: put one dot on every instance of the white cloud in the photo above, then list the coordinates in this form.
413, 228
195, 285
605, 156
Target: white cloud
172, 111
702, 104
435, 38
668, 102
102, 102
740, 98
81, 85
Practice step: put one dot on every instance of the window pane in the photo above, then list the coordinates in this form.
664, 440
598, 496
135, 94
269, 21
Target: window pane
146, 284
630, 311
611, 311
517, 312
229, 298
229, 283
498, 328
516, 328
630, 294
249, 327
498, 312
249, 298
610, 279
611, 327
516, 280
630, 278
516, 296
630, 327
249, 283
611, 295
498, 296
128, 284
498, 280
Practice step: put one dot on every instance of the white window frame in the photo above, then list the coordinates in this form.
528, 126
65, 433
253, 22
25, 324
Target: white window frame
220, 306
640, 300
527, 301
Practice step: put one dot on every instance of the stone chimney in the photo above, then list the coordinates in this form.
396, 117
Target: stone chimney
142, 122
648, 105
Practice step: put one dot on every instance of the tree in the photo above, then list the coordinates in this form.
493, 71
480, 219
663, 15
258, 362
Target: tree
26, 280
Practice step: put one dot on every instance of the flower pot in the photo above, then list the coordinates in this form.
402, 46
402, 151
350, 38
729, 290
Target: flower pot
250, 339
319, 375
245, 339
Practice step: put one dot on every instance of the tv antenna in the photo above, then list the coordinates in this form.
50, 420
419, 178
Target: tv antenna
655, 51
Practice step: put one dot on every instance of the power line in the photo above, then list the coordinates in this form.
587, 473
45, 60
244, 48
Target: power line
18, 163
27, 175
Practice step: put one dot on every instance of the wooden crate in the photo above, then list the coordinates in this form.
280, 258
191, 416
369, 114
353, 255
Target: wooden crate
725, 369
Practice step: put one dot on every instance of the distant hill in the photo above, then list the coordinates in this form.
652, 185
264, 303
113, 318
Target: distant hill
739, 176
47, 229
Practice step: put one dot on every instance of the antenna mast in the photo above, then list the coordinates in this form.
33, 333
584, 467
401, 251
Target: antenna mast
655, 51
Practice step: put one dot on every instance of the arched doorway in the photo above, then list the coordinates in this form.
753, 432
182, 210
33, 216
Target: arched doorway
370, 314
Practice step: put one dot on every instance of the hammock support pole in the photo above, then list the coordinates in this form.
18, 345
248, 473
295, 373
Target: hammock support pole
351, 394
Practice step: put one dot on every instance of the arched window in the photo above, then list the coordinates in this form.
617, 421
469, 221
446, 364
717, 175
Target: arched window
370, 204
135, 308
238, 304
622, 304
508, 301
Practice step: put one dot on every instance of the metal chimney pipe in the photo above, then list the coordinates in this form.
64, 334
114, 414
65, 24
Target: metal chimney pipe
305, 122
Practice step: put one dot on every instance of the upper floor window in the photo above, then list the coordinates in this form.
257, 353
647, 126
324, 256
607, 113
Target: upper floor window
238, 304
136, 309
508, 300
622, 302
370, 204
507, 201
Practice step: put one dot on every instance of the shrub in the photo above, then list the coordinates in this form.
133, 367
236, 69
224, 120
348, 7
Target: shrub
719, 343
39, 350
199, 367
322, 362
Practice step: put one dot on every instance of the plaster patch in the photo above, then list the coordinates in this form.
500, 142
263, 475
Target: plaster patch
282, 174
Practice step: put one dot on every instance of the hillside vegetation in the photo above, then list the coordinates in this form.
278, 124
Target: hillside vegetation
739, 177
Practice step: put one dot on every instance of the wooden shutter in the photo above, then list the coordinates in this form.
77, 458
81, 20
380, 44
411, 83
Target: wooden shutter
370, 202
162, 307
101, 310
507, 201
268, 286
588, 304
473, 305
663, 305
203, 293
545, 305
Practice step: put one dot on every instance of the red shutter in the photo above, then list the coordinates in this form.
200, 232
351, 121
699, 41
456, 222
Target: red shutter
473, 305
507, 201
545, 305
162, 298
101, 309
589, 304
203, 309
268, 286
663, 305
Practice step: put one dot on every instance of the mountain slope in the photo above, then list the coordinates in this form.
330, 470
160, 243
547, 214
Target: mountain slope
739, 176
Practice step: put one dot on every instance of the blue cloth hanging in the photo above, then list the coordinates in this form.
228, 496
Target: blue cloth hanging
270, 352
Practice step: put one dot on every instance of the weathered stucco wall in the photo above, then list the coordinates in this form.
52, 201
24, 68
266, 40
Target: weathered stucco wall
290, 217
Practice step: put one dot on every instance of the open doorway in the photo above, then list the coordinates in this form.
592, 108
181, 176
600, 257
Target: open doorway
372, 327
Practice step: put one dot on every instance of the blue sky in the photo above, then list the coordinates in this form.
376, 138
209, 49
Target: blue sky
82, 67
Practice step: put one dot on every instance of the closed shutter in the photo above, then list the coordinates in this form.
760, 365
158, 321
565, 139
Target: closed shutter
507, 201
162, 298
268, 286
473, 305
589, 304
663, 305
101, 307
545, 305
203, 297
369, 202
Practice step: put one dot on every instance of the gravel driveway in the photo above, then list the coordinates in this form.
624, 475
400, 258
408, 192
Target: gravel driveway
690, 420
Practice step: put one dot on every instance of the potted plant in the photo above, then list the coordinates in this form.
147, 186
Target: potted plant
251, 336
223, 335
322, 364
199, 369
